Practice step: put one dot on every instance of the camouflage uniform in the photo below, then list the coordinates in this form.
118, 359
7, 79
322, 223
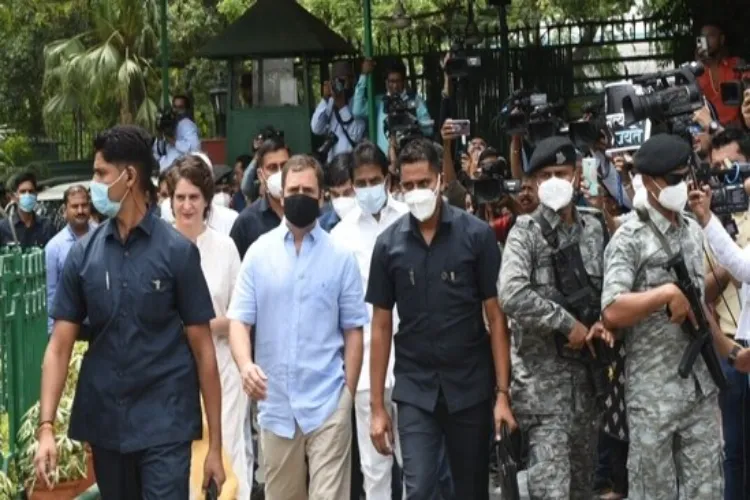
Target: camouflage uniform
673, 422
551, 396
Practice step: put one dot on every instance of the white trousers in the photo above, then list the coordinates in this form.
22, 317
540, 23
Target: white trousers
234, 407
376, 468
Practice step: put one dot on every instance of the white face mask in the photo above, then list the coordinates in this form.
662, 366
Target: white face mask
640, 195
343, 205
221, 199
556, 193
273, 183
422, 202
674, 197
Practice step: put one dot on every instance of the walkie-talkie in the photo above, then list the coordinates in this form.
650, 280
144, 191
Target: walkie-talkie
212, 492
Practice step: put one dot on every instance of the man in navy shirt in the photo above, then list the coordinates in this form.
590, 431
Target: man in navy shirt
140, 284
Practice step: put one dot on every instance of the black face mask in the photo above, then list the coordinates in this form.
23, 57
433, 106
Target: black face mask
301, 210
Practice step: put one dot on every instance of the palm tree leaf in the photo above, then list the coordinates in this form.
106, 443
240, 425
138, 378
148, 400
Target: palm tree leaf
146, 115
128, 73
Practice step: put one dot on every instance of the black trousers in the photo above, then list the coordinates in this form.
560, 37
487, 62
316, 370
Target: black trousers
158, 473
464, 435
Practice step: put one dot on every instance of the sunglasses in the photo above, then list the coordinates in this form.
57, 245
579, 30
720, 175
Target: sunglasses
675, 178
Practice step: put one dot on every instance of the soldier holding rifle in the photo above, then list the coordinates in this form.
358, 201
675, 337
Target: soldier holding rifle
653, 295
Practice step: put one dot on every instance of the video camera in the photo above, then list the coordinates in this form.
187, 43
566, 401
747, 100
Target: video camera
493, 183
585, 133
166, 123
728, 194
459, 64
732, 93
401, 119
661, 101
529, 113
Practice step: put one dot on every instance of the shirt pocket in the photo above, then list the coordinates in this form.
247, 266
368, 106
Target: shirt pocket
459, 283
157, 301
406, 289
99, 301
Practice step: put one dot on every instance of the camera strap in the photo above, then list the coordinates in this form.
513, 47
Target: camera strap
343, 125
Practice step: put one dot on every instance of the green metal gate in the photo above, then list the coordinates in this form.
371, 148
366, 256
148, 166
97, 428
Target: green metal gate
23, 335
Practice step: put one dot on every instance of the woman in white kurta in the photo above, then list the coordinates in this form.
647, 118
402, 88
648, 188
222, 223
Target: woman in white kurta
191, 187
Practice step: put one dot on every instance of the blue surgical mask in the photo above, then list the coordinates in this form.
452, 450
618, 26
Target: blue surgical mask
27, 202
371, 198
101, 200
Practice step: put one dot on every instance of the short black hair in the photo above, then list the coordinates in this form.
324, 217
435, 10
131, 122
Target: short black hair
367, 153
420, 149
396, 66
245, 160
730, 135
129, 145
22, 177
271, 145
339, 169
188, 101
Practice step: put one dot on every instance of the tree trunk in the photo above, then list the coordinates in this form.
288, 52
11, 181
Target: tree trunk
126, 116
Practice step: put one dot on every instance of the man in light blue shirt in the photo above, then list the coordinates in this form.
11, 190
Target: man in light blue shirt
333, 116
395, 85
77, 206
182, 137
301, 296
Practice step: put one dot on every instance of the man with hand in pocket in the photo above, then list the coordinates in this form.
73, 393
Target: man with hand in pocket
303, 295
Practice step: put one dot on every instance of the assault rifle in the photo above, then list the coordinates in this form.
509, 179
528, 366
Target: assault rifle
701, 337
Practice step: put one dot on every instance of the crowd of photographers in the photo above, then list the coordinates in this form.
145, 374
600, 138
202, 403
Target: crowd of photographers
548, 299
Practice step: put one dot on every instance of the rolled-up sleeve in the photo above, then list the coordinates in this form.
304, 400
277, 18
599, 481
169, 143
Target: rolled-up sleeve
619, 268
380, 287
244, 306
488, 266
352, 308
193, 298
321, 117
69, 303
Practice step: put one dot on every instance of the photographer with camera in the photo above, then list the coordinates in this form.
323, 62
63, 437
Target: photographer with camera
407, 105
333, 118
731, 147
177, 133
711, 50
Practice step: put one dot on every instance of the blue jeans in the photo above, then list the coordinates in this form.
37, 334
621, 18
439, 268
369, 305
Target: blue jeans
735, 415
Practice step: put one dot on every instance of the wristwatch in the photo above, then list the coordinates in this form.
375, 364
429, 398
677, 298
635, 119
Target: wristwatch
713, 127
733, 354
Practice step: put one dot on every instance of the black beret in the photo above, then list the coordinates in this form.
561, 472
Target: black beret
662, 154
551, 152
222, 174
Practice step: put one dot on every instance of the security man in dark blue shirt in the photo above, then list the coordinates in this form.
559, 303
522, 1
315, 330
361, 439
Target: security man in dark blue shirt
140, 284
439, 265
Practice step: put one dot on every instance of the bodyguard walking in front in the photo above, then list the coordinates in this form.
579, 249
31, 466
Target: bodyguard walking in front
439, 266
302, 295
140, 284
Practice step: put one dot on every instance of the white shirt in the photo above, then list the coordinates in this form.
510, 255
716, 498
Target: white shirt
219, 218
737, 262
358, 232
